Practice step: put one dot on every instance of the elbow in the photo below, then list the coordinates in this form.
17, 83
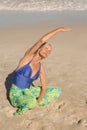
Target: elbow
41, 40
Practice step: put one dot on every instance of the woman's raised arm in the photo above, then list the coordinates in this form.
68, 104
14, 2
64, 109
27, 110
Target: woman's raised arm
45, 38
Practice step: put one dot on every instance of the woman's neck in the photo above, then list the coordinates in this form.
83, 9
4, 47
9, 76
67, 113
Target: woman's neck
37, 58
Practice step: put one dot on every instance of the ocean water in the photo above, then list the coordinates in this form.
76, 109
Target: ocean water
53, 18
43, 5
35, 12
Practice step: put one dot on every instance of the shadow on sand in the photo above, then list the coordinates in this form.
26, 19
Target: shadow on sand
8, 83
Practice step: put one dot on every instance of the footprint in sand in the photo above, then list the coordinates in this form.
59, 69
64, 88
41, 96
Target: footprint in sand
73, 119
84, 123
61, 105
31, 124
26, 123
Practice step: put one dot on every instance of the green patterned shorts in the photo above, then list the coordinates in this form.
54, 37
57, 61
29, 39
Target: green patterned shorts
26, 99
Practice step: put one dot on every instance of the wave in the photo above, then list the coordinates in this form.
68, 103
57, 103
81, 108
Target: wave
43, 5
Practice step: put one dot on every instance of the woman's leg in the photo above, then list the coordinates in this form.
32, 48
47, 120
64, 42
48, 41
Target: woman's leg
52, 93
24, 99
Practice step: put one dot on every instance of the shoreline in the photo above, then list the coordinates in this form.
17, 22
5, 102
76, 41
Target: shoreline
25, 19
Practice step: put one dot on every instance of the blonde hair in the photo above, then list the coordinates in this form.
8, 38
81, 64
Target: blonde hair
44, 44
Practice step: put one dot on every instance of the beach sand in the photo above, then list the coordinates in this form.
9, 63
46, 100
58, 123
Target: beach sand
66, 68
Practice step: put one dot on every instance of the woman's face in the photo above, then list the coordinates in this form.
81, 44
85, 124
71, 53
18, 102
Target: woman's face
45, 51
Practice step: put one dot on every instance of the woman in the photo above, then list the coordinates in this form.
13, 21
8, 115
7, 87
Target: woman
23, 94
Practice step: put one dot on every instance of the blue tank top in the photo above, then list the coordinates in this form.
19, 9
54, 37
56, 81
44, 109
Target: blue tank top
22, 77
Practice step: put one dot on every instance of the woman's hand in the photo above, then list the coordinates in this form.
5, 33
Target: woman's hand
64, 29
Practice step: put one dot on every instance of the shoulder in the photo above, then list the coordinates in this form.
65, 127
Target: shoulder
24, 61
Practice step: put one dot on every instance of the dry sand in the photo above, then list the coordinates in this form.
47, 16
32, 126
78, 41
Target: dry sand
66, 68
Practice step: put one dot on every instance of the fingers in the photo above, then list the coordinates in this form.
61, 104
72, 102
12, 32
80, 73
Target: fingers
64, 29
